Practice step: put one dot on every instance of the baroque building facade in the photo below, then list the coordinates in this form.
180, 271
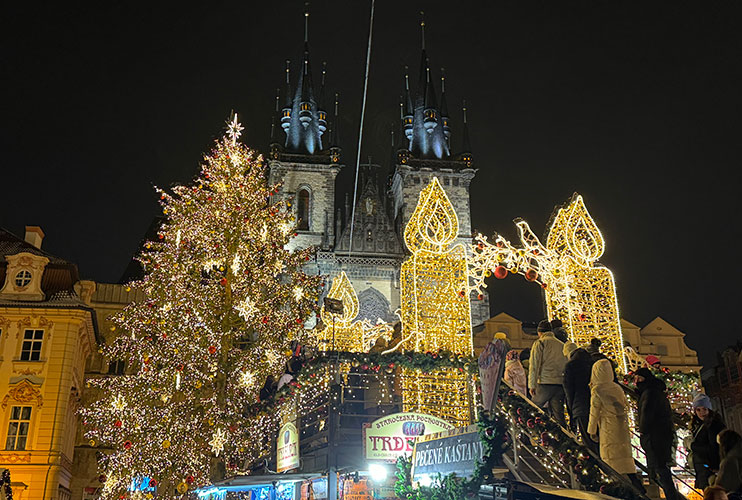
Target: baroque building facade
365, 240
47, 331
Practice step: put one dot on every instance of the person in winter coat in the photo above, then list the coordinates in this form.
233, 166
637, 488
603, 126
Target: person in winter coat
546, 372
730, 470
515, 374
559, 332
705, 427
715, 493
656, 430
608, 415
577, 373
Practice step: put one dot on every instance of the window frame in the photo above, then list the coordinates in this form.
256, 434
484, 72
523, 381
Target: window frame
33, 343
19, 421
303, 223
25, 280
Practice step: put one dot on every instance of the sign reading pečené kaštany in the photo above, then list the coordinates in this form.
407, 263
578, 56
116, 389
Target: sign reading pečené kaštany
391, 436
448, 452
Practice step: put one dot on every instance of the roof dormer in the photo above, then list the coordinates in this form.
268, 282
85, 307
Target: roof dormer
23, 277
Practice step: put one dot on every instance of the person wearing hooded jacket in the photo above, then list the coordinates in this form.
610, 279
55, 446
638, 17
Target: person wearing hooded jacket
608, 416
577, 374
705, 427
730, 470
656, 430
515, 374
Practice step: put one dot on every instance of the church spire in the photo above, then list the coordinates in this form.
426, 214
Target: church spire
304, 117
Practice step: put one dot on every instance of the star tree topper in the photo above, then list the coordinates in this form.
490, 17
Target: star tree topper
234, 129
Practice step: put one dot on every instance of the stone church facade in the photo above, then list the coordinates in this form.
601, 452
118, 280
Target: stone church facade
366, 242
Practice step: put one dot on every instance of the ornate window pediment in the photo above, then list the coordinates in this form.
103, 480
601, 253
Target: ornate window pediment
23, 277
24, 392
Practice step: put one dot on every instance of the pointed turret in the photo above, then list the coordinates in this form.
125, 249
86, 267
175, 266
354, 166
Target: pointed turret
304, 117
321, 109
335, 132
286, 115
406, 108
427, 140
444, 109
465, 154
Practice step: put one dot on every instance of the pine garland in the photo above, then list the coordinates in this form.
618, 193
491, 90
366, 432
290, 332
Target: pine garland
495, 441
365, 363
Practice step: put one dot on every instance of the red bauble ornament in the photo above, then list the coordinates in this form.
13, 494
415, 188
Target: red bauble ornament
212, 349
501, 272
480, 296
531, 423
531, 275
462, 293
223, 281
190, 479
265, 319
299, 321
127, 444
582, 316
117, 423
153, 482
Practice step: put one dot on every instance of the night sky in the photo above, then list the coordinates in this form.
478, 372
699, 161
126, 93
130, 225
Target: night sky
635, 105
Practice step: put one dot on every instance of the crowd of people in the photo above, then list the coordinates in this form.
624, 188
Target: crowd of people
558, 374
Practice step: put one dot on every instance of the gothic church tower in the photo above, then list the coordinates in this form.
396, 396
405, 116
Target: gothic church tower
307, 158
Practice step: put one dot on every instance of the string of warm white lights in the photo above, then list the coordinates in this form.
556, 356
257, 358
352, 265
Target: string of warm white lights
579, 291
224, 300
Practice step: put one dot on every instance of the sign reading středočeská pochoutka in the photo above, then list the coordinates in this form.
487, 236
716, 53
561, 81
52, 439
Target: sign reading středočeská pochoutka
448, 452
392, 436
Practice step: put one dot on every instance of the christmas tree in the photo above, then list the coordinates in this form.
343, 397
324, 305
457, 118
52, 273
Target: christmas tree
224, 301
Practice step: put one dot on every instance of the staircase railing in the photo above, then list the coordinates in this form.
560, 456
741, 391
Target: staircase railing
538, 458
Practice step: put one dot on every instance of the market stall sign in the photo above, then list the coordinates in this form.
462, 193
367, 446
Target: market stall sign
392, 436
455, 451
287, 448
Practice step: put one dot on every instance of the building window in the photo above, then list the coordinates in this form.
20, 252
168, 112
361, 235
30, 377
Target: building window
117, 367
31, 347
302, 210
661, 349
20, 420
22, 279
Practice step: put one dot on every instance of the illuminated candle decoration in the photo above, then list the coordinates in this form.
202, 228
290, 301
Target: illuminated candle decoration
436, 313
341, 332
579, 291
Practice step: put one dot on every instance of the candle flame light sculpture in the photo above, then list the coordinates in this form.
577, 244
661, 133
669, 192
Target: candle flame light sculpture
341, 332
579, 291
436, 312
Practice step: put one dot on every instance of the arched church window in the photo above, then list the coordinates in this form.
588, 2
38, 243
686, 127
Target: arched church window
302, 210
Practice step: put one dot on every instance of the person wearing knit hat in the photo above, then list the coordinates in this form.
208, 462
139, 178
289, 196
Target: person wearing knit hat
558, 329
546, 372
705, 425
653, 361
576, 385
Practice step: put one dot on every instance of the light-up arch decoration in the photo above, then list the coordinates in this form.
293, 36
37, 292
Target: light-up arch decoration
579, 291
341, 332
435, 308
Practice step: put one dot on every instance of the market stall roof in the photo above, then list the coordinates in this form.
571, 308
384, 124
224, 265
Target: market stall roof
263, 480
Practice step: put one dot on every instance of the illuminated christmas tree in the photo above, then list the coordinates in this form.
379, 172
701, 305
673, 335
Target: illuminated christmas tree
224, 300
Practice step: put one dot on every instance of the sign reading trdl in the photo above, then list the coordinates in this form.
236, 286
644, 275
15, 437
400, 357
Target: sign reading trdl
448, 452
392, 436
287, 448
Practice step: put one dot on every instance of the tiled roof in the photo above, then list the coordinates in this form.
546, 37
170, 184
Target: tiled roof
11, 244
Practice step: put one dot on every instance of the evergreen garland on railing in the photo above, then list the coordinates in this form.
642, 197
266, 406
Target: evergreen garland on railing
366, 363
495, 441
